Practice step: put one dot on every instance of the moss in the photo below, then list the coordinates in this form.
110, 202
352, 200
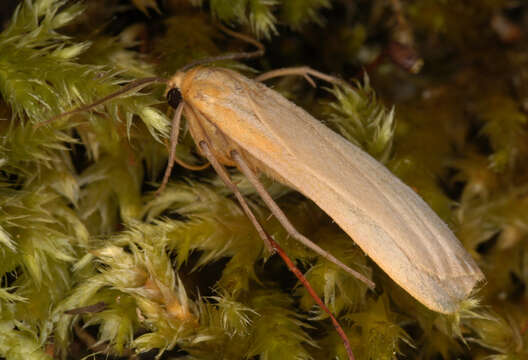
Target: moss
184, 273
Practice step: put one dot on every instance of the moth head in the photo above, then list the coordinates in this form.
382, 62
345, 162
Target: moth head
174, 97
173, 93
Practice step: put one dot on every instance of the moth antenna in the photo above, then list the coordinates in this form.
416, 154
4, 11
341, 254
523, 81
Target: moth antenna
303, 71
129, 87
233, 56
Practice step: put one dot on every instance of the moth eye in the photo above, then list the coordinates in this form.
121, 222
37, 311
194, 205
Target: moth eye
174, 97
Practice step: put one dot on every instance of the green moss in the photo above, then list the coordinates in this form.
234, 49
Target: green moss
184, 273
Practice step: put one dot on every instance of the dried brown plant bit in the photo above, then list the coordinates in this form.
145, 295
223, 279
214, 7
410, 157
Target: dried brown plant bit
405, 56
94, 308
508, 31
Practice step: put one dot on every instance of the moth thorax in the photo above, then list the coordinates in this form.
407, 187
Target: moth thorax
176, 80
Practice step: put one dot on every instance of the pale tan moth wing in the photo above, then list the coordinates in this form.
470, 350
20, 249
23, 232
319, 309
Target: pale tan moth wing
386, 218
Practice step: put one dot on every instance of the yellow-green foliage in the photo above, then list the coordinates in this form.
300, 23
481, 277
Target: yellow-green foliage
184, 273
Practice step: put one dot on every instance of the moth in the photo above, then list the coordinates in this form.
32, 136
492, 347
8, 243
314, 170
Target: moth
237, 121
241, 122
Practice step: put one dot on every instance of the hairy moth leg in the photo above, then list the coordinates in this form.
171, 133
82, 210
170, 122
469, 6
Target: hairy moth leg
281, 217
271, 244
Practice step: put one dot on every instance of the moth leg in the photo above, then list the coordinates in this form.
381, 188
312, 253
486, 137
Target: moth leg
271, 244
221, 171
191, 167
304, 71
275, 209
289, 263
175, 131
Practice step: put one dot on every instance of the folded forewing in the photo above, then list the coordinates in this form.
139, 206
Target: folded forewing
386, 218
